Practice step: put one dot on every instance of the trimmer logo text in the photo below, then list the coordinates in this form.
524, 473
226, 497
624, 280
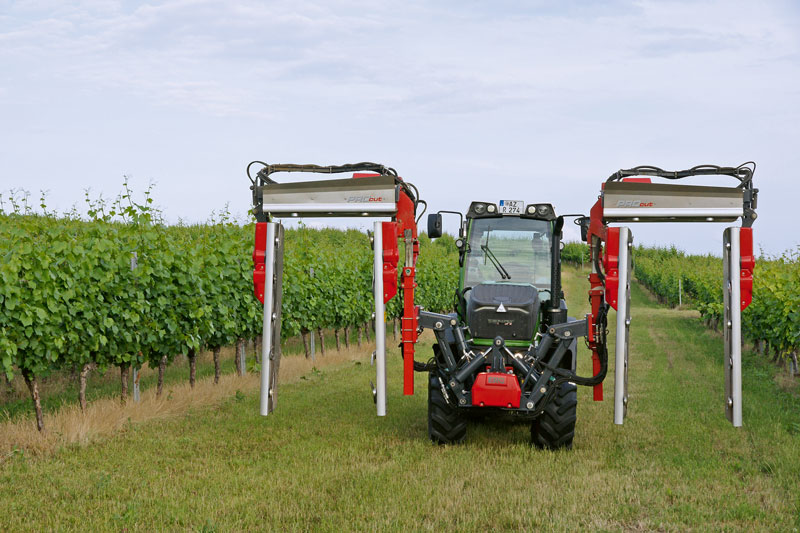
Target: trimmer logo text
362, 199
634, 203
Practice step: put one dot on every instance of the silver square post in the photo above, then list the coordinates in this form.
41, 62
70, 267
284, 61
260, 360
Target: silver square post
623, 326
732, 325
380, 323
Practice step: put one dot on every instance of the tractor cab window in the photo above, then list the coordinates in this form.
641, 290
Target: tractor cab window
509, 249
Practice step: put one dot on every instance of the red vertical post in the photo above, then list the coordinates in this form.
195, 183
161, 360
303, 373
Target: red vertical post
391, 256
748, 263
596, 236
407, 230
596, 299
259, 258
611, 266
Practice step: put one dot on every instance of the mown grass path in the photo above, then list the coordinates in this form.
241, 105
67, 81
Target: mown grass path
323, 461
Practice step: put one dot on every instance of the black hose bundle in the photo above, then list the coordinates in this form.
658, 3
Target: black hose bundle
744, 172
563, 375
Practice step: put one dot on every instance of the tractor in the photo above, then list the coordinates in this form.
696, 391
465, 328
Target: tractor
509, 348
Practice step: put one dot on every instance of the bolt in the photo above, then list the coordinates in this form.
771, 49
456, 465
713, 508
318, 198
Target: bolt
628, 322
373, 316
625, 401
567, 334
453, 322
462, 401
730, 403
730, 324
498, 342
529, 405
453, 384
542, 390
438, 325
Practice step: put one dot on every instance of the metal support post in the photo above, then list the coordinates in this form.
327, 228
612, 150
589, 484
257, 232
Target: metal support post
380, 322
623, 326
266, 336
732, 326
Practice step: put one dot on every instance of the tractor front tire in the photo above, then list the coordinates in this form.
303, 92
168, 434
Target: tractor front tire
445, 423
555, 427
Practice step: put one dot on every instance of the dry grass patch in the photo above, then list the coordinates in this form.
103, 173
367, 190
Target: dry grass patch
107, 416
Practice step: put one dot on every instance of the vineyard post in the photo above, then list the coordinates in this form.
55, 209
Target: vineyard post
380, 322
311, 331
136, 396
680, 291
242, 356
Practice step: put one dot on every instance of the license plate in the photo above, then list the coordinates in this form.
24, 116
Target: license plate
511, 207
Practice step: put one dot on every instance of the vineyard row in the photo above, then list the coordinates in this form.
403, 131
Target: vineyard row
771, 322
101, 294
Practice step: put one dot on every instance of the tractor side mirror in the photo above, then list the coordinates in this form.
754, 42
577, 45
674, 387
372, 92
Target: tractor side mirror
434, 225
583, 222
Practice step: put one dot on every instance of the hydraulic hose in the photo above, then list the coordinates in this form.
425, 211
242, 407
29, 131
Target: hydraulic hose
602, 346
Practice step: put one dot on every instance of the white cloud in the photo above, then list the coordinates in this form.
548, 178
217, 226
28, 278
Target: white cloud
547, 99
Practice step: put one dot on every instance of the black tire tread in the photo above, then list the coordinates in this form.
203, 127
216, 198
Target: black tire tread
445, 423
555, 427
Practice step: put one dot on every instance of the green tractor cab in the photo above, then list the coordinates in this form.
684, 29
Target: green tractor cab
508, 295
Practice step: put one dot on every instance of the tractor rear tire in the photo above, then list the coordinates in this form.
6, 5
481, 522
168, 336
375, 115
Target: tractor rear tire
555, 427
445, 423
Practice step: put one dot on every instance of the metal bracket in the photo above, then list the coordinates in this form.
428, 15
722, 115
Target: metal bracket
569, 330
531, 400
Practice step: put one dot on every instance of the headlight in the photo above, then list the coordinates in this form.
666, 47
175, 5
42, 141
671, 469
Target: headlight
491, 208
542, 210
480, 209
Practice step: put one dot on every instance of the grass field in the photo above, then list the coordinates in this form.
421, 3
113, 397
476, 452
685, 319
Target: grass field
323, 461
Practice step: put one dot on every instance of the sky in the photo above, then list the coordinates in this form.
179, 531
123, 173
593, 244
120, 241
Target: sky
536, 101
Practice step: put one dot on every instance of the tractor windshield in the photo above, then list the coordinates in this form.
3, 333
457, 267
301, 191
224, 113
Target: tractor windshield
511, 249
